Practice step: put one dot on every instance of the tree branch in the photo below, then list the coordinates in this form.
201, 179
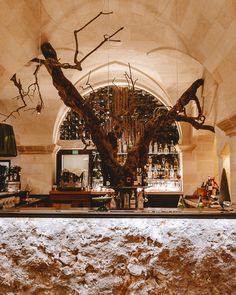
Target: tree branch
139, 153
77, 66
106, 38
130, 78
88, 84
73, 99
21, 96
77, 31
194, 123
31, 90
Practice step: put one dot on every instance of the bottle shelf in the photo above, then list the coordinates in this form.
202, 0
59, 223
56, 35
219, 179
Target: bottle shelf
162, 172
170, 153
152, 154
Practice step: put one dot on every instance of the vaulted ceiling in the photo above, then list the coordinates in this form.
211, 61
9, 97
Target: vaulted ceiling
168, 43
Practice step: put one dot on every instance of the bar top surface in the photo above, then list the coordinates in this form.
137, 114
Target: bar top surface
48, 212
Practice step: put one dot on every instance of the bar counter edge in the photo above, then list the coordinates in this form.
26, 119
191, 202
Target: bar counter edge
146, 213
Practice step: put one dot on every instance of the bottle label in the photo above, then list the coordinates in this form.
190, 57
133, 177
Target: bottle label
132, 204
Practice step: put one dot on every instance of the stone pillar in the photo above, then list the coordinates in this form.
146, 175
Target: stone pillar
229, 127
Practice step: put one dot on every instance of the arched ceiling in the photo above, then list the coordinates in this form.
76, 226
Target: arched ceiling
168, 43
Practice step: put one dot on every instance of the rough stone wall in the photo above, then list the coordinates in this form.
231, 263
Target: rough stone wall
117, 256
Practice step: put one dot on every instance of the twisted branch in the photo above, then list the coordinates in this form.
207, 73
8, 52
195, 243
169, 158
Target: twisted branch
106, 38
194, 123
77, 31
129, 78
31, 90
77, 63
22, 95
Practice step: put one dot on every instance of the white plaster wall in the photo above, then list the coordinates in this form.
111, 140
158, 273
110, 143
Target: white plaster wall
200, 163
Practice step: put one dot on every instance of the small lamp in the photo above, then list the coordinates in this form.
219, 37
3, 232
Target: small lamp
7, 141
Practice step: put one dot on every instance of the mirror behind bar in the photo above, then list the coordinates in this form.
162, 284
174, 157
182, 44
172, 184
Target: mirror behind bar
75, 161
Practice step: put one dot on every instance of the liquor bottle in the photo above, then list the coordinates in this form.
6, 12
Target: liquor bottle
176, 163
125, 147
158, 168
209, 187
166, 171
139, 176
155, 173
126, 200
172, 147
118, 201
160, 150
140, 200
155, 148
149, 160
145, 176
149, 173
113, 202
215, 188
166, 149
172, 172
150, 148
200, 203
132, 201
181, 203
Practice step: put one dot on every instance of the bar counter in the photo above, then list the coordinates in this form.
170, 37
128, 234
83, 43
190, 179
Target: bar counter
75, 250
119, 213
117, 255
67, 204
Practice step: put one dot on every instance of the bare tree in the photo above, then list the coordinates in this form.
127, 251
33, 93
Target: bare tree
138, 155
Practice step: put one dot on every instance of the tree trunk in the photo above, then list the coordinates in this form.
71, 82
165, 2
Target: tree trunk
138, 155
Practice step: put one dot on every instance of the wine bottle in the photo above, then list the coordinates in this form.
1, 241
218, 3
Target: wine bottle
126, 200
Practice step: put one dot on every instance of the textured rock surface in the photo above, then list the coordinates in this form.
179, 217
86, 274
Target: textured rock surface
117, 256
